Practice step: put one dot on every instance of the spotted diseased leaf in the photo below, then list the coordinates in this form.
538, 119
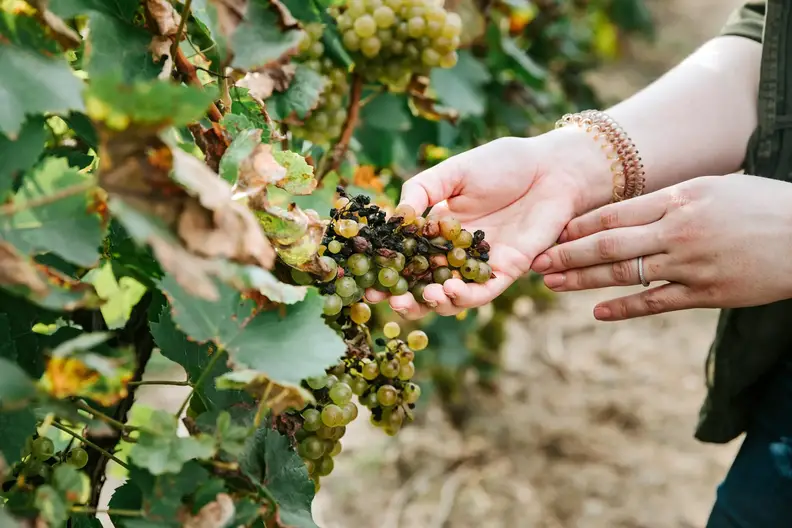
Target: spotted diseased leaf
160, 450
34, 84
299, 177
301, 97
165, 16
250, 166
279, 397
424, 105
54, 198
270, 462
296, 235
263, 82
287, 345
85, 367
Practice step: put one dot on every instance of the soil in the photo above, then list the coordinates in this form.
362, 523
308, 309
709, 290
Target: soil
593, 424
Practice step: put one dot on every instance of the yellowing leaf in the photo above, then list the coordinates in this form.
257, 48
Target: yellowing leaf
119, 297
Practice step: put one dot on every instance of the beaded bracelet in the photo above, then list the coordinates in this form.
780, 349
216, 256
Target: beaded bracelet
626, 166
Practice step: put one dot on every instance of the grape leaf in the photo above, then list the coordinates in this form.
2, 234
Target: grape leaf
300, 98
41, 214
160, 450
270, 461
268, 34
287, 345
529, 71
51, 505
17, 426
280, 396
194, 358
229, 436
462, 87
119, 296
250, 164
17, 156
299, 177
33, 84
16, 388
296, 235
387, 112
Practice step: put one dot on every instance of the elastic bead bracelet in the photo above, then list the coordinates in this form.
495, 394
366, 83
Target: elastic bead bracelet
626, 166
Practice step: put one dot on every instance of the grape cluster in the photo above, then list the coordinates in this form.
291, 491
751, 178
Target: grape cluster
326, 121
394, 39
40, 460
381, 382
404, 253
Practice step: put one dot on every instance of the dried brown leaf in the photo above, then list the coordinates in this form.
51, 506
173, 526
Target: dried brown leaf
16, 269
213, 142
160, 50
165, 16
66, 36
426, 106
216, 514
274, 78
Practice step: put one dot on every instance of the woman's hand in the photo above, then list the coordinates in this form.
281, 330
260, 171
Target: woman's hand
720, 242
520, 192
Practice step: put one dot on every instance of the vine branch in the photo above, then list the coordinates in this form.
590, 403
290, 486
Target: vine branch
180, 29
186, 68
353, 114
87, 442
103, 417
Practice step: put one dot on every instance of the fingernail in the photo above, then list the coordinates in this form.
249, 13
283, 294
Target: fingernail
450, 295
555, 280
430, 304
541, 263
602, 312
402, 313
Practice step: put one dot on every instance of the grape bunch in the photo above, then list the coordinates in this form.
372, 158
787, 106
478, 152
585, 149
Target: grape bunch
40, 459
381, 382
326, 121
394, 39
363, 249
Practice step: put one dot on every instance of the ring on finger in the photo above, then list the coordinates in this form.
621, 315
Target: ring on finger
641, 274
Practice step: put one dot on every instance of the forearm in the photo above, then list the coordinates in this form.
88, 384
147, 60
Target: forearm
693, 121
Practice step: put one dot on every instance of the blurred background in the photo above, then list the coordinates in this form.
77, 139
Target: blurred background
576, 423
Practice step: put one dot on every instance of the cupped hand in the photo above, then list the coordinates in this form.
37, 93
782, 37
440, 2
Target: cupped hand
520, 192
717, 242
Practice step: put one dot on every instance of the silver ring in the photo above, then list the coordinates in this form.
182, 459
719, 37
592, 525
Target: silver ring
641, 275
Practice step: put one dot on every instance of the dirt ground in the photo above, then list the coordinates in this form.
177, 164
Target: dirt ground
593, 425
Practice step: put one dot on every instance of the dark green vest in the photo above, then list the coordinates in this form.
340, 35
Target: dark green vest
750, 342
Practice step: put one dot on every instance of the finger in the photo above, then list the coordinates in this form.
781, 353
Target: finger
600, 248
634, 212
437, 300
619, 273
406, 306
375, 296
666, 298
471, 295
432, 186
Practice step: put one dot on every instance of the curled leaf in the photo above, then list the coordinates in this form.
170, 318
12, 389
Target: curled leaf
296, 235
263, 82
278, 397
165, 16
299, 177
160, 49
426, 106
66, 36
17, 270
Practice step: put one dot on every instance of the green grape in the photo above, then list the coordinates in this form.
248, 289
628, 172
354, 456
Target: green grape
418, 265
359, 386
344, 22
434, 29
417, 340
440, 275
42, 448
385, 37
332, 415
346, 287
332, 305
449, 60
351, 40
402, 32
325, 433
470, 269
417, 291
338, 370
335, 246
316, 382
390, 369
397, 261
393, 346
316, 50
365, 26
395, 418
406, 355
411, 393
350, 412
315, 31
401, 287
456, 257
346, 228
416, 27
358, 264
336, 449
439, 241
370, 47
346, 378
410, 246
312, 448
370, 400
450, 227
301, 434
388, 277
331, 380
356, 8
312, 420
484, 272
325, 466
338, 433
407, 371
341, 393
391, 329
384, 17
387, 396
394, 4
430, 57
331, 265
370, 370
367, 280
32, 467
453, 26
309, 465
360, 313
464, 240
301, 278
355, 297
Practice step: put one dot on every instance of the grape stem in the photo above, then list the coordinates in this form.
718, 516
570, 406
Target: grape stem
103, 417
353, 113
87, 442
161, 382
204, 374
114, 511
182, 22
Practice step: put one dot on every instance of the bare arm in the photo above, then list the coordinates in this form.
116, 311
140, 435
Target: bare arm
693, 121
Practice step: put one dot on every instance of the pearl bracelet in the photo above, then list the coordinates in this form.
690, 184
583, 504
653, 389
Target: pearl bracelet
626, 166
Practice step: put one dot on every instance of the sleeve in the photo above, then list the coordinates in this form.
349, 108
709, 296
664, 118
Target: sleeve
747, 21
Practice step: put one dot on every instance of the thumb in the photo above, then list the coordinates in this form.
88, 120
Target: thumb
432, 186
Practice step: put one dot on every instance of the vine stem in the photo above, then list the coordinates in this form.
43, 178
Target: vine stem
87, 442
353, 114
183, 22
262, 405
161, 382
117, 512
11, 208
104, 418
204, 374
188, 70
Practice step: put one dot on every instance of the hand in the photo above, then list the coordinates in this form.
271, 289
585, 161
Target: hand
520, 192
720, 242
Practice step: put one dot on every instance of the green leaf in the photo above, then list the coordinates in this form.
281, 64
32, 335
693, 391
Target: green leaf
84, 520
387, 112
264, 36
238, 152
72, 483
529, 71
300, 98
160, 450
270, 461
33, 84
119, 296
229, 436
6, 520
462, 87
235, 125
51, 506
42, 217
16, 388
194, 358
16, 426
287, 345
17, 156
299, 177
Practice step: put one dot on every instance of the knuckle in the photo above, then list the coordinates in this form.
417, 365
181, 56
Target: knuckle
607, 247
621, 272
609, 217
654, 304
565, 258
680, 196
